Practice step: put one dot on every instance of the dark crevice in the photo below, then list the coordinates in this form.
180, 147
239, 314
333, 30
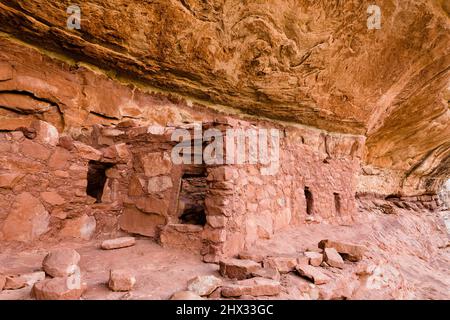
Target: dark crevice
309, 201
191, 203
34, 97
337, 203
96, 179
103, 115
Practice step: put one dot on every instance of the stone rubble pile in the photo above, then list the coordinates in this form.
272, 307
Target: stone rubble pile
254, 275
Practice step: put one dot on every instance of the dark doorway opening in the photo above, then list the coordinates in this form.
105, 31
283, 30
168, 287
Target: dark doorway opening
309, 201
337, 203
191, 203
96, 178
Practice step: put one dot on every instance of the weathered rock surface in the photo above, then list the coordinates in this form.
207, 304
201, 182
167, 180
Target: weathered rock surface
121, 280
204, 285
118, 243
237, 268
31, 278
350, 251
61, 262
282, 264
14, 283
57, 289
332, 258
269, 273
285, 60
2, 281
253, 287
313, 273
314, 258
27, 220
82, 227
185, 295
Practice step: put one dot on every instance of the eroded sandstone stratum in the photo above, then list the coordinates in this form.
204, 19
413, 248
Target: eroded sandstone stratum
86, 117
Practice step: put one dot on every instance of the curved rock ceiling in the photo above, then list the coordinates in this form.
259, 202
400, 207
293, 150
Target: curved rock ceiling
311, 62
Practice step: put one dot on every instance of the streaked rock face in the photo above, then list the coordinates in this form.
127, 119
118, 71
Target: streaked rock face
312, 62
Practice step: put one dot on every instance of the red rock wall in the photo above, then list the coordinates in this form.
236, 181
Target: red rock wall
128, 131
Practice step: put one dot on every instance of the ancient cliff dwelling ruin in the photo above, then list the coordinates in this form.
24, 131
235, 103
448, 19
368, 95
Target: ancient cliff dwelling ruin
328, 130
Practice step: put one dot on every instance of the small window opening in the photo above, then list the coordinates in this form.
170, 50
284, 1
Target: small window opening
191, 203
96, 177
309, 201
337, 203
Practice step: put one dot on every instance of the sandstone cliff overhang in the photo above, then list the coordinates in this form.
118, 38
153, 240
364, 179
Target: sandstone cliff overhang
311, 62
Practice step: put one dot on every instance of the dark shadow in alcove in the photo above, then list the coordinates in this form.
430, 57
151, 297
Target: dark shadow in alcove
96, 177
337, 202
309, 201
192, 197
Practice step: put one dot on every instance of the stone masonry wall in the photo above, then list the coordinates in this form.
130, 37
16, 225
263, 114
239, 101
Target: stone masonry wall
244, 205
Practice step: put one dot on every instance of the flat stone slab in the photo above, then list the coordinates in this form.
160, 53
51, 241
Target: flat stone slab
349, 251
332, 257
253, 287
314, 258
118, 243
312, 273
237, 268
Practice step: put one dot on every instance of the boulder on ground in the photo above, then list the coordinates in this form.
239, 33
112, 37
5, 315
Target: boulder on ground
349, 251
237, 268
61, 262
59, 288
121, 280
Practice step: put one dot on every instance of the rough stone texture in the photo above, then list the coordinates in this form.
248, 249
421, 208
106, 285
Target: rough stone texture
57, 289
2, 281
136, 221
14, 283
254, 287
312, 273
285, 60
31, 278
82, 227
86, 118
269, 273
349, 251
60, 262
332, 258
27, 220
45, 132
238, 269
315, 258
121, 280
185, 295
118, 243
204, 285
282, 264
246, 255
